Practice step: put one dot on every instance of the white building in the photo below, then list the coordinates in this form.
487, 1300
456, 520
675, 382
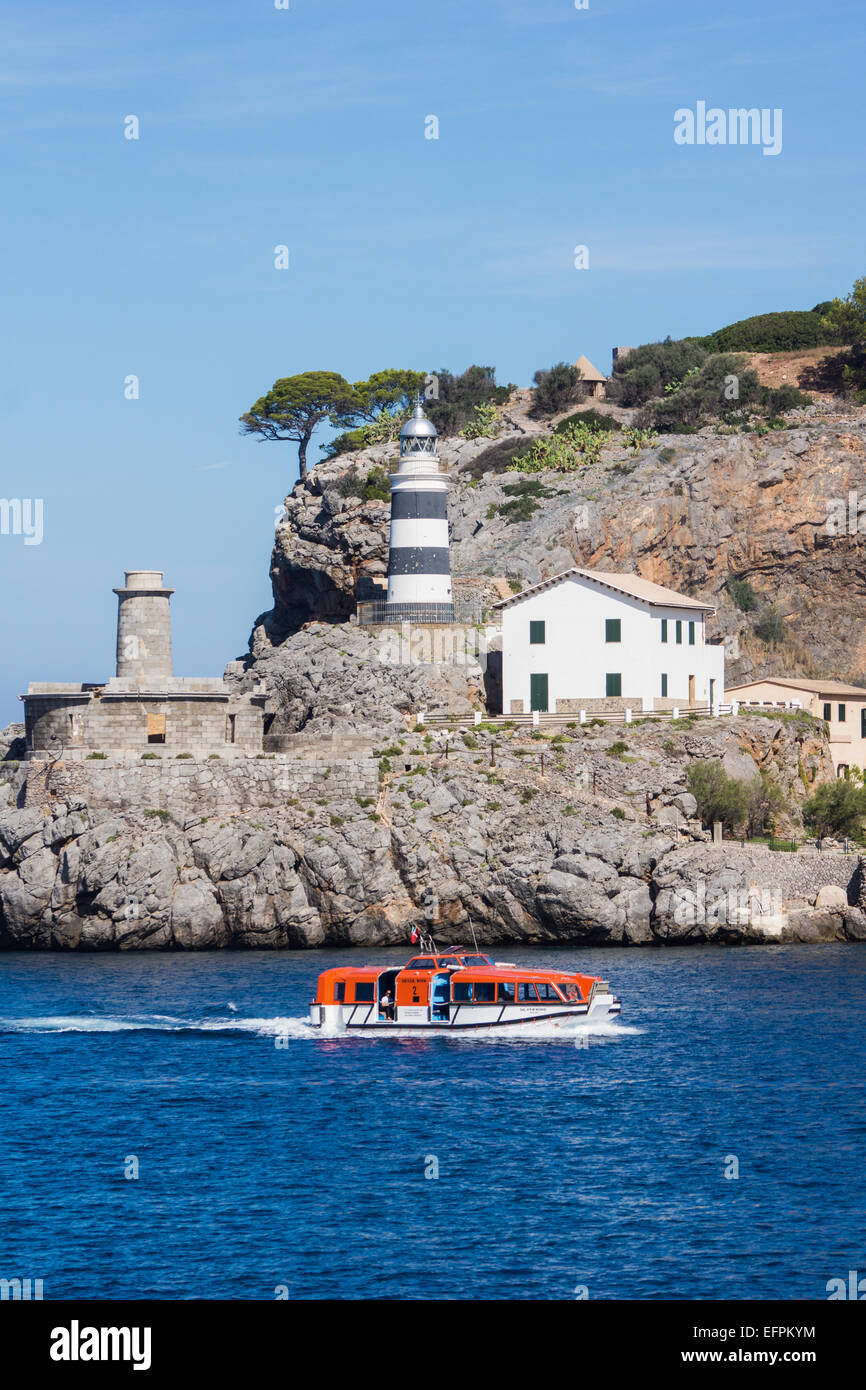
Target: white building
419, 565
588, 639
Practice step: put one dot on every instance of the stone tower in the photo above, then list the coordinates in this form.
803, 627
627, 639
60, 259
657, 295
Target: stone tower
419, 565
144, 629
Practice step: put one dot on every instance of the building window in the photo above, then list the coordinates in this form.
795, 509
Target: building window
536, 634
612, 630
691, 634
156, 728
841, 714
679, 632
664, 629
230, 728
613, 683
863, 723
664, 687
828, 713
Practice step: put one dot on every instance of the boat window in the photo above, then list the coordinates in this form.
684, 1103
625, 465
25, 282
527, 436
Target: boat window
548, 991
463, 992
570, 991
525, 991
422, 963
477, 960
506, 991
439, 989
448, 960
339, 991
364, 991
485, 991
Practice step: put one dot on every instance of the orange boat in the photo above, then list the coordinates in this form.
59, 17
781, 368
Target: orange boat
457, 989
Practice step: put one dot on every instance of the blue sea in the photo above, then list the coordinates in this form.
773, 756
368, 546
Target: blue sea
309, 1169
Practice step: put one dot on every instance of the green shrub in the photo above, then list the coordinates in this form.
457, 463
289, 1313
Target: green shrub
770, 627
836, 808
101, 756
777, 399
592, 419
742, 593
189, 755
785, 331
149, 757
158, 815
617, 749
459, 395
373, 487
719, 797
706, 393
766, 803
618, 812
483, 423
646, 371
556, 388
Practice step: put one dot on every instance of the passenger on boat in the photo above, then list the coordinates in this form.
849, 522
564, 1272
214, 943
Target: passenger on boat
387, 1005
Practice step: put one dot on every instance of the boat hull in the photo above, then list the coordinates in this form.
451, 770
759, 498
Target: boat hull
337, 1018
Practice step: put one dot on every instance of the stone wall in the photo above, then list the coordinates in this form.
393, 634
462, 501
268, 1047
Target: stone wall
188, 789
72, 726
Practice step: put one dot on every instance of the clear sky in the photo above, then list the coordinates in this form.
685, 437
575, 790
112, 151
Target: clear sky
305, 127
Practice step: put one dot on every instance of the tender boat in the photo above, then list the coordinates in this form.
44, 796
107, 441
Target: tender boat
456, 990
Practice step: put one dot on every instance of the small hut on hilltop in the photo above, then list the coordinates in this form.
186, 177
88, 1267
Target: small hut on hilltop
591, 378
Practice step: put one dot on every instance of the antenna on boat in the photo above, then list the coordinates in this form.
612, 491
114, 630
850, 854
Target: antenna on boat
474, 938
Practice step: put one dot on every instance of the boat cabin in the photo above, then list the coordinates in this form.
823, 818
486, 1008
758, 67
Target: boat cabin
434, 988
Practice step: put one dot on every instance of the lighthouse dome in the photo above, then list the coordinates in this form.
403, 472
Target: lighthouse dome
418, 435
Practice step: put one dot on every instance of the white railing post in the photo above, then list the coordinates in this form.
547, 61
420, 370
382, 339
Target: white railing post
675, 712
535, 719
477, 717
628, 716
582, 717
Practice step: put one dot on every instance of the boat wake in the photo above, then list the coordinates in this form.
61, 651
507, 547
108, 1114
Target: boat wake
288, 1030
157, 1023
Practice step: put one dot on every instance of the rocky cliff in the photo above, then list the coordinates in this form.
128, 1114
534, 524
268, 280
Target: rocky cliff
691, 511
581, 836
359, 823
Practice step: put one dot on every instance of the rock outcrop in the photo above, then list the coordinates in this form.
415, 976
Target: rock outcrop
602, 846
774, 508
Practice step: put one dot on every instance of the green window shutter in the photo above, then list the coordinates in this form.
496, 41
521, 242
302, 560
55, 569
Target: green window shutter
536, 634
613, 630
841, 714
828, 713
538, 692
691, 634
664, 629
664, 686
613, 683
863, 723
679, 630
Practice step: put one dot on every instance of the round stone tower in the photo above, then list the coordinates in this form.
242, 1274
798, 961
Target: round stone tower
419, 565
144, 629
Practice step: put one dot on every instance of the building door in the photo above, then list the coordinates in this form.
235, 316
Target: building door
691, 691
538, 693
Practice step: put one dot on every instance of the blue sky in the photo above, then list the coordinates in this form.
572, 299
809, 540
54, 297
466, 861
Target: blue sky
305, 127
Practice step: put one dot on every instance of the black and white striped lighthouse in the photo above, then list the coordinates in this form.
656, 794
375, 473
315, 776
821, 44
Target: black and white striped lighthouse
419, 566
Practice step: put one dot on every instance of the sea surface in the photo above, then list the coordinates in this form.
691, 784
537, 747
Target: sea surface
273, 1161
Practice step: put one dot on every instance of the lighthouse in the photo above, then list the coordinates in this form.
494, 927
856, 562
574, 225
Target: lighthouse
419, 566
